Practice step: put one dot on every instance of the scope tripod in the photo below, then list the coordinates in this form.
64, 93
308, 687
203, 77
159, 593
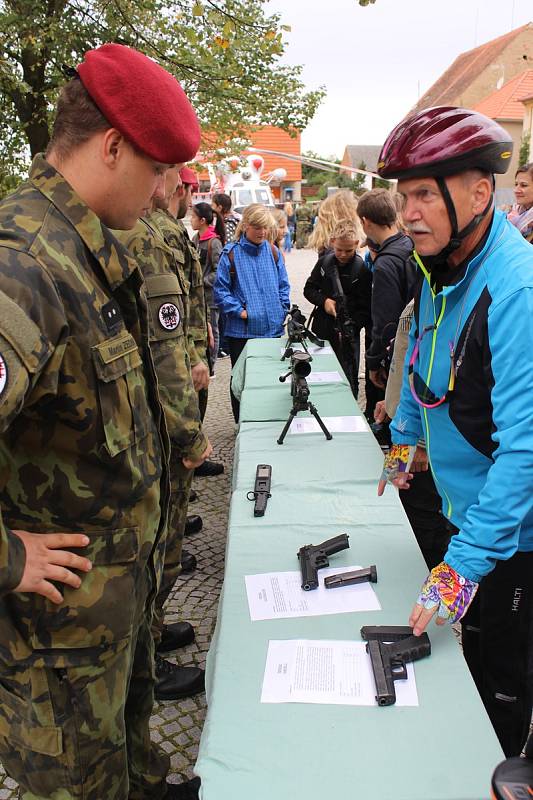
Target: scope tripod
303, 406
288, 352
299, 337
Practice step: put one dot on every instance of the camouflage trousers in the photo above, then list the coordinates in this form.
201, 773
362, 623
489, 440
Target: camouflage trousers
303, 232
82, 733
181, 481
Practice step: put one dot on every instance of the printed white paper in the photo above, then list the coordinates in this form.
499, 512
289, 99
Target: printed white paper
333, 424
328, 672
324, 377
279, 595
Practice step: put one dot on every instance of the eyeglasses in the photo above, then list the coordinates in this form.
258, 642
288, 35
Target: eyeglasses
419, 388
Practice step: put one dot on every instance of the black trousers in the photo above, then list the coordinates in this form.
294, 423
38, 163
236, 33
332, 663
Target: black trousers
236, 346
422, 504
497, 635
349, 360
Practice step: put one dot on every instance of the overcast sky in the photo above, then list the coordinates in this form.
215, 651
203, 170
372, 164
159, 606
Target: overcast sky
376, 61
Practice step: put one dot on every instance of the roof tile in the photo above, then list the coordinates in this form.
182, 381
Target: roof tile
505, 103
464, 70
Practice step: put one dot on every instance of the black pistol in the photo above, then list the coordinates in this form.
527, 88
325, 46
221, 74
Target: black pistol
261, 492
313, 557
390, 648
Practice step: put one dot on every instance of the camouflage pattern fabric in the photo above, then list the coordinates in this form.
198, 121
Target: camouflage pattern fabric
177, 237
83, 447
167, 289
181, 482
304, 225
175, 234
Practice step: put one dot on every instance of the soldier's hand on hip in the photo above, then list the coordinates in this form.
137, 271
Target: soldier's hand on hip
46, 561
190, 463
200, 376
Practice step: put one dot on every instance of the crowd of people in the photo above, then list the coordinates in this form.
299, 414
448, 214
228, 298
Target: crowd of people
111, 321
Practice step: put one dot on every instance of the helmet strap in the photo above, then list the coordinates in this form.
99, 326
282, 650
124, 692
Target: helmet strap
439, 262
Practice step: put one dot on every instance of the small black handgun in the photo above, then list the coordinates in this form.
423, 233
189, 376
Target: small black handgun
313, 557
390, 648
261, 492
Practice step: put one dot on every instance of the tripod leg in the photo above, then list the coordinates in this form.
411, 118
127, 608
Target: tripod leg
287, 426
316, 415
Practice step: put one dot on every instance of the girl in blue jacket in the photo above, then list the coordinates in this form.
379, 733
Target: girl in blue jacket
251, 286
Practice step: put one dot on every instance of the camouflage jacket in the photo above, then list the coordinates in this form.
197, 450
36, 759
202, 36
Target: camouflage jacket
175, 234
168, 306
83, 443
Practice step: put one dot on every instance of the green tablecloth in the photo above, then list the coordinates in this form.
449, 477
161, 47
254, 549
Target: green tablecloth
256, 382
444, 749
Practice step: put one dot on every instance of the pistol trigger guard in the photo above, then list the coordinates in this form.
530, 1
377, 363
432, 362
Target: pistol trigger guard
399, 669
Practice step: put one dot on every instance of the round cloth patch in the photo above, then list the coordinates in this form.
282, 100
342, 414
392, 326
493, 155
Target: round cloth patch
169, 316
3, 374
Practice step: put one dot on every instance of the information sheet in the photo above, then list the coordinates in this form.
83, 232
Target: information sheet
333, 424
325, 377
278, 595
329, 672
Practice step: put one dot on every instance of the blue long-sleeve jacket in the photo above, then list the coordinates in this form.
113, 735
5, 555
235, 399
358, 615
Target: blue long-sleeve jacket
480, 442
256, 282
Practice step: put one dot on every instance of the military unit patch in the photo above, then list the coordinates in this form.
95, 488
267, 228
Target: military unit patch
3, 374
169, 316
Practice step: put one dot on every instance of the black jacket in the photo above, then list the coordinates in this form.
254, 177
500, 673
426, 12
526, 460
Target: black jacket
356, 282
395, 278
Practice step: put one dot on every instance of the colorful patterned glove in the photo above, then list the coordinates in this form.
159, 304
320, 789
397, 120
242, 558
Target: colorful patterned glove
397, 461
448, 590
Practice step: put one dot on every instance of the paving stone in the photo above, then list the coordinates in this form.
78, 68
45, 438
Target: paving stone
172, 727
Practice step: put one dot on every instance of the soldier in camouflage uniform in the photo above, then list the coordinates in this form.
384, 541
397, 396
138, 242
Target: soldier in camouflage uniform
83, 450
304, 225
167, 289
169, 222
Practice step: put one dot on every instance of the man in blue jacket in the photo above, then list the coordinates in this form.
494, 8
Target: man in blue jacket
468, 390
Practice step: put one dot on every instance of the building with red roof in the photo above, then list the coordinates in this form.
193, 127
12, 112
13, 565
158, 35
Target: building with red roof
270, 137
506, 106
477, 73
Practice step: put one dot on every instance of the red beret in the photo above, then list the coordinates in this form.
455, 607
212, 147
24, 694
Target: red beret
142, 101
189, 176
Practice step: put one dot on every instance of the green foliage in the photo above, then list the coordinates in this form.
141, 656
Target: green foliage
322, 178
225, 53
523, 153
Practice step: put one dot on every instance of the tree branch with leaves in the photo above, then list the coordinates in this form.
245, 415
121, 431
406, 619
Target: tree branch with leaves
227, 55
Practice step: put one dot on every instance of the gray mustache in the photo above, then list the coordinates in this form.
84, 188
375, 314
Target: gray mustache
418, 229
